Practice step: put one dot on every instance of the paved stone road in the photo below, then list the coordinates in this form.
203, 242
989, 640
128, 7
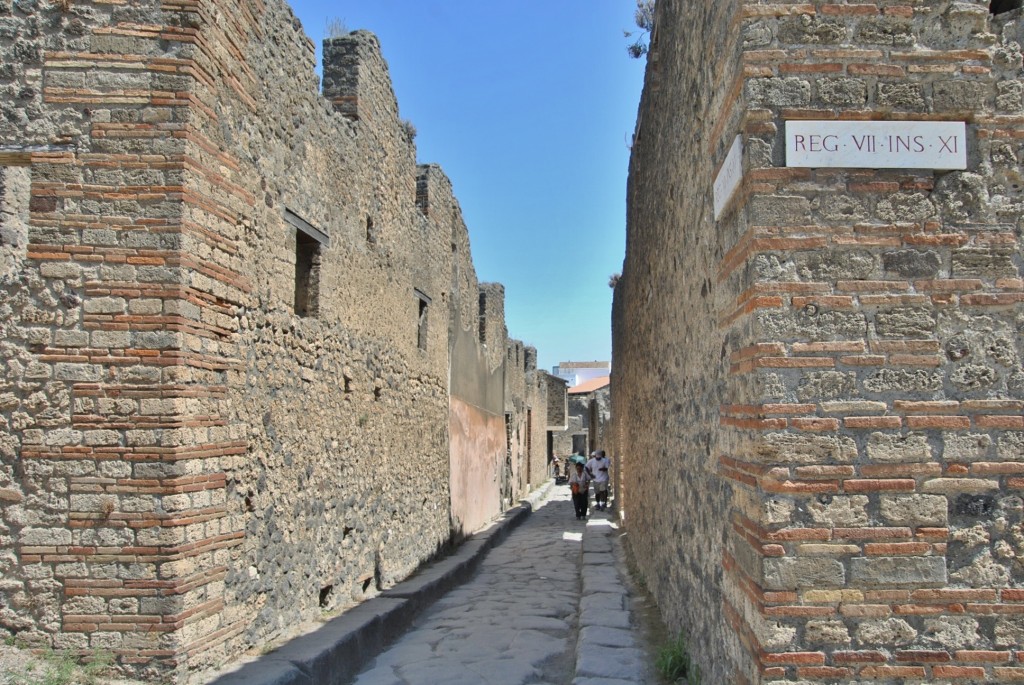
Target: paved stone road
548, 605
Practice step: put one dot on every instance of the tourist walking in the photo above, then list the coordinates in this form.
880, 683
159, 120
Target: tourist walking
579, 484
599, 467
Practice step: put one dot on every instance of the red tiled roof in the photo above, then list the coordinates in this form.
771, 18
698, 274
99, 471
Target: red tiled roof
590, 386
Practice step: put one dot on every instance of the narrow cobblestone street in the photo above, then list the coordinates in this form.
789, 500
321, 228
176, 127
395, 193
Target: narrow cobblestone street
548, 605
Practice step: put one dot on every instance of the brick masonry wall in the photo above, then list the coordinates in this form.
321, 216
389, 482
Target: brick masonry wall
865, 331
190, 467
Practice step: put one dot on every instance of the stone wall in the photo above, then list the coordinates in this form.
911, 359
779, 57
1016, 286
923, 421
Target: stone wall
818, 397
238, 329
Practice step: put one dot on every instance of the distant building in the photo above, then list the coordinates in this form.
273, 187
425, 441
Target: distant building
576, 373
589, 404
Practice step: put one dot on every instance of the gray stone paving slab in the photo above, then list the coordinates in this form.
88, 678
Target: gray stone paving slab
605, 635
603, 600
600, 661
612, 618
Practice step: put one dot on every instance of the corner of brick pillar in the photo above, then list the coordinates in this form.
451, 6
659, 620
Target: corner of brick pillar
356, 78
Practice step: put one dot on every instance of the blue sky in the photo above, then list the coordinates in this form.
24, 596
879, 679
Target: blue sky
528, 106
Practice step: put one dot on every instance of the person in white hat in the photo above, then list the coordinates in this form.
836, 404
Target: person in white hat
599, 467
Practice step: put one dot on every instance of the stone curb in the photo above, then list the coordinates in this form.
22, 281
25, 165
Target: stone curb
607, 651
337, 651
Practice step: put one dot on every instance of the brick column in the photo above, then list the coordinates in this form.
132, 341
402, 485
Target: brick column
877, 415
131, 341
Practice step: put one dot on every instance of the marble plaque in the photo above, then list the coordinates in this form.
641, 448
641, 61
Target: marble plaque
877, 144
729, 176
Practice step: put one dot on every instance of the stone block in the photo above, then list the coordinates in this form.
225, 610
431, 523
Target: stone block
840, 207
905, 207
988, 263
779, 92
882, 632
839, 510
903, 381
894, 448
835, 265
780, 210
952, 632
887, 30
827, 633
77, 373
960, 485
1009, 631
1011, 446
798, 448
914, 510
912, 263
794, 573
885, 572
842, 91
809, 30
960, 95
104, 305
70, 338
826, 385
906, 97
45, 537
111, 339
1010, 96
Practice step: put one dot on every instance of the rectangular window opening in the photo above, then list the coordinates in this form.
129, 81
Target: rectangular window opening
483, 318
423, 305
309, 244
307, 275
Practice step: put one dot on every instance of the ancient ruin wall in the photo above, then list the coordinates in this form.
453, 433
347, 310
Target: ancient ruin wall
844, 352
205, 445
669, 355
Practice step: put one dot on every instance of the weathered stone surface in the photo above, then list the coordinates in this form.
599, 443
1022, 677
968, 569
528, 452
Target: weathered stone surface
838, 265
906, 207
959, 95
912, 263
768, 92
861, 343
842, 91
903, 381
839, 511
901, 96
840, 207
965, 447
897, 571
898, 448
914, 510
792, 574
811, 30
788, 210
825, 385
789, 448
827, 633
195, 363
885, 31
952, 632
895, 631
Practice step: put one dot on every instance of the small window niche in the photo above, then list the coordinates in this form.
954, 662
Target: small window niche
423, 309
310, 242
